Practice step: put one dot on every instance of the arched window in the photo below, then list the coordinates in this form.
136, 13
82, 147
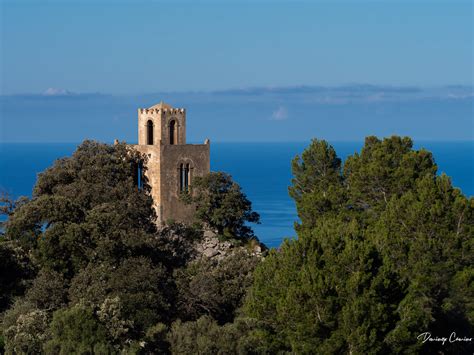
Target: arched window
149, 132
173, 132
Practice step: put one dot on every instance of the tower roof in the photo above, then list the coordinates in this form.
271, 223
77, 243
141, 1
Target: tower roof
161, 105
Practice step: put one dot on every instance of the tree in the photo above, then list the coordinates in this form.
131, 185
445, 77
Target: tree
216, 289
15, 266
317, 184
426, 239
383, 169
90, 236
7, 206
221, 205
76, 330
205, 336
15, 271
384, 253
27, 334
85, 208
145, 290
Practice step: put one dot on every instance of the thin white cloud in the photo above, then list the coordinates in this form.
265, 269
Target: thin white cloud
56, 92
460, 96
280, 114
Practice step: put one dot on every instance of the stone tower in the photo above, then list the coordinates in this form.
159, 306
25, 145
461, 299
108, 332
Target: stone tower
172, 164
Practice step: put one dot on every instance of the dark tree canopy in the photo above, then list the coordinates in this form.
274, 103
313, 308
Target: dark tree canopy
317, 182
384, 253
85, 208
208, 287
221, 205
92, 231
75, 330
84, 268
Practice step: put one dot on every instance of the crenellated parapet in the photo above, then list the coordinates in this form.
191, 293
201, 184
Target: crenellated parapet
157, 111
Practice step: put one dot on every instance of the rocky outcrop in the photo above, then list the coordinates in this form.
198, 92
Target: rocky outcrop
211, 247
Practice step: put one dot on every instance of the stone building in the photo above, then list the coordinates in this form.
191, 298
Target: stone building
172, 164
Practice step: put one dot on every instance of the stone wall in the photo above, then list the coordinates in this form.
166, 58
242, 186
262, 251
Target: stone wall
164, 159
198, 157
177, 115
153, 152
161, 119
143, 117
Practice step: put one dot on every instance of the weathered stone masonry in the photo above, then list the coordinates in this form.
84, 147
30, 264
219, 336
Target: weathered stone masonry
172, 164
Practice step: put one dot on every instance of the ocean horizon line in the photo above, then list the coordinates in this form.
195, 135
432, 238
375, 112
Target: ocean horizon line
416, 141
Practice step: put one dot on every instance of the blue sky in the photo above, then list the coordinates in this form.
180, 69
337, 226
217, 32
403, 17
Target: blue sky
134, 47
245, 71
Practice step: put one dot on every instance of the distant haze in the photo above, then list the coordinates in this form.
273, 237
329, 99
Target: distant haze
296, 113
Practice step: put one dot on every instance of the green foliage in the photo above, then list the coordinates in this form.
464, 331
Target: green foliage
85, 208
48, 291
7, 206
92, 274
76, 330
15, 270
317, 182
110, 314
174, 244
384, 169
216, 289
426, 238
155, 341
90, 235
221, 205
205, 336
27, 334
384, 253
143, 288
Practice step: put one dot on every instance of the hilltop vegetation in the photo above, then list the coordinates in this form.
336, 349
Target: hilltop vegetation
85, 269
384, 253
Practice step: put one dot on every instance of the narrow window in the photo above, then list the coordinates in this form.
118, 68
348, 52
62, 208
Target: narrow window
181, 178
172, 132
149, 132
186, 177
140, 175
137, 174
134, 168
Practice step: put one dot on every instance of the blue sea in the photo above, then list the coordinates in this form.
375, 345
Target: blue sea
262, 169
